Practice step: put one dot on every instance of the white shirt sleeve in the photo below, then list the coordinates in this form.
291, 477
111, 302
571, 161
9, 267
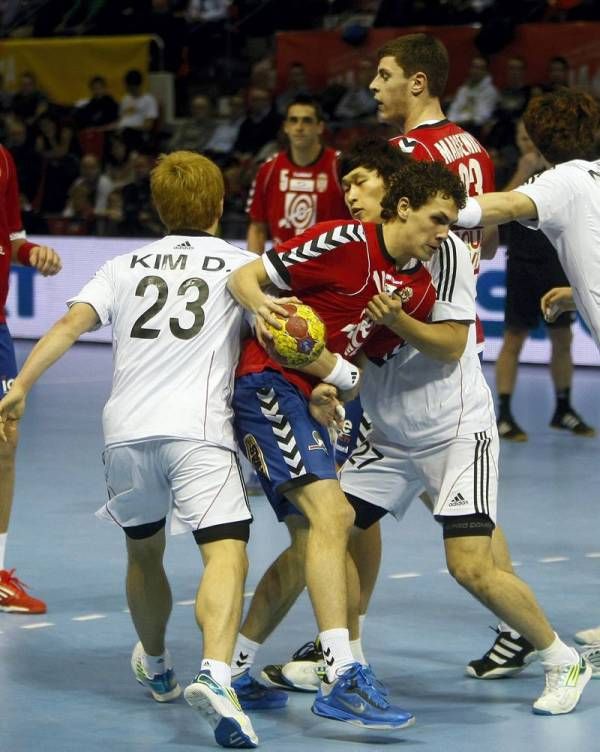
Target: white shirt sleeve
454, 279
99, 292
553, 196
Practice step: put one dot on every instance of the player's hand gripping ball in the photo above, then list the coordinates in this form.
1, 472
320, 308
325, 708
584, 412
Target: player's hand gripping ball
301, 338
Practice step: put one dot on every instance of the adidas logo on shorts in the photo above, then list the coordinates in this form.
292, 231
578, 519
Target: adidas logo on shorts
458, 501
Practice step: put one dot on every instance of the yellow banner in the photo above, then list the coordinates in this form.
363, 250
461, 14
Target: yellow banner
63, 67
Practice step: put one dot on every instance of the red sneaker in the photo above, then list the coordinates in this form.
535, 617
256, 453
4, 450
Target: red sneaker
14, 598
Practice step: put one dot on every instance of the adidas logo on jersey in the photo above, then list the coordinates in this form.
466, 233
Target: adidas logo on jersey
183, 246
458, 501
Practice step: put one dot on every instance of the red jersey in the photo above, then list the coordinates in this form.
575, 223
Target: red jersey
443, 141
290, 198
337, 267
10, 221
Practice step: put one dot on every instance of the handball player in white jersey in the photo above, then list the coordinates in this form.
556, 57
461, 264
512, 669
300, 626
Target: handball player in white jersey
564, 203
434, 427
168, 427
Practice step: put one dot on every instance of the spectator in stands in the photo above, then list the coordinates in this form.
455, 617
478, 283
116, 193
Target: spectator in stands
138, 112
28, 161
357, 104
139, 215
109, 225
100, 110
161, 20
476, 99
28, 103
296, 85
57, 144
558, 74
96, 186
117, 160
78, 216
5, 97
260, 125
500, 134
513, 98
195, 132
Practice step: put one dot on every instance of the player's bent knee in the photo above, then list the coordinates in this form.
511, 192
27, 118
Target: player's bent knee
227, 531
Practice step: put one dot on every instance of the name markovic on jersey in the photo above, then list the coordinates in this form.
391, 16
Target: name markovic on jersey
456, 146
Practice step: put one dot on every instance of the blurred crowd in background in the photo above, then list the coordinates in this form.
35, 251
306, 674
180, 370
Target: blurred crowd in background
84, 170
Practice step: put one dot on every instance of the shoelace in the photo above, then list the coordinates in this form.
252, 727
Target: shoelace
555, 677
308, 649
14, 582
366, 687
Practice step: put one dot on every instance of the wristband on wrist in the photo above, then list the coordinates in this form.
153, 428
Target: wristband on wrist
344, 376
470, 216
24, 251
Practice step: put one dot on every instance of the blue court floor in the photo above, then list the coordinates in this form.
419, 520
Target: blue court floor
66, 685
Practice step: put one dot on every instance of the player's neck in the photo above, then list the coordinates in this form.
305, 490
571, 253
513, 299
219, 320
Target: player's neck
397, 243
422, 111
304, 157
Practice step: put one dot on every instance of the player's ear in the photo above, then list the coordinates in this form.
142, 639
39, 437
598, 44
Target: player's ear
418, 83
402, 208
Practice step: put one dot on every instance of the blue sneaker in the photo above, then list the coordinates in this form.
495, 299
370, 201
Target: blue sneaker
164, 687
255, 696
377, 683
354, 699
220, 707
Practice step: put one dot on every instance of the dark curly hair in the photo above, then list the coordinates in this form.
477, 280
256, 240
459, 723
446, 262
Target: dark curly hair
372, 153
564, 125
419, 182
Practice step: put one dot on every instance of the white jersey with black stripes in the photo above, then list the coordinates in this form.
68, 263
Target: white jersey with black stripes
176, 339
417, 401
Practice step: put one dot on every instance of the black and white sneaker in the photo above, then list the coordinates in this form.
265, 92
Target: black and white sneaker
571, 421
508, 656
302, 674
509, 429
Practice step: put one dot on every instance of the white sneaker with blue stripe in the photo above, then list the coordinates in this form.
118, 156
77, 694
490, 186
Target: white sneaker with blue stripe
219, 706
163, 686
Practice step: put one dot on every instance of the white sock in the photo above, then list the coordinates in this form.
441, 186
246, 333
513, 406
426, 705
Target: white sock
504, 627
336, 652
557, 654
157, 664
361, 624
219, 671
244, 654
3, 537
357, 652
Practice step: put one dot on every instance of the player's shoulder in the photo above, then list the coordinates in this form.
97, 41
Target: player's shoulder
413, 146
329, 234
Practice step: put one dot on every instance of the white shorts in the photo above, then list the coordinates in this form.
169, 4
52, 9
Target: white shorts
199, 482
460, 475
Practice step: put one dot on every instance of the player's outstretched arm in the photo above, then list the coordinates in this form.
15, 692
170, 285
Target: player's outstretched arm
55, 343
496, 209
440, 340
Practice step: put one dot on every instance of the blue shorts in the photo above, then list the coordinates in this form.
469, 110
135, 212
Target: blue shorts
8, 363
286, 446
354, 431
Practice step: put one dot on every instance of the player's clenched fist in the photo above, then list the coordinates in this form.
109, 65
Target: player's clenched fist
384, 309
45, 259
